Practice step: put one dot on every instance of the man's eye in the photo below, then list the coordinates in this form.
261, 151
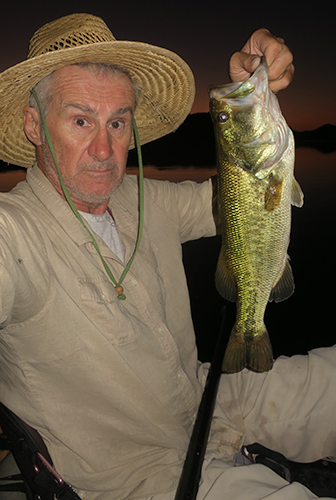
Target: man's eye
81, 122
117, 124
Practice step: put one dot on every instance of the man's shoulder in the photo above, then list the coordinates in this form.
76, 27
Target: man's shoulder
13, 199
130, 187
160, 191
17, 205
131, 184
131, 181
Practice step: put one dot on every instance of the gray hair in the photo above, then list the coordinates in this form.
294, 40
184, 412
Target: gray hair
44, 91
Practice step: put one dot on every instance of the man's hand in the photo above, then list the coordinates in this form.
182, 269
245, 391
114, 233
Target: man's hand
278, 57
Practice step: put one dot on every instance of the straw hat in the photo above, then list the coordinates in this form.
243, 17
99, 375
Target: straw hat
166, 82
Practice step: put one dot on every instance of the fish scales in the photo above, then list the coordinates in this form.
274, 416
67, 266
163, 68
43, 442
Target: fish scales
255, 161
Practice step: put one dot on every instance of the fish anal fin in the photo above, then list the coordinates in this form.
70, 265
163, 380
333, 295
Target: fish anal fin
252, 352
285, 285
225, 285
297, 194
273, 192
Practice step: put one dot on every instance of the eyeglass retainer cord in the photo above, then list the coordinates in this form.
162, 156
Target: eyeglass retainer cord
117, 284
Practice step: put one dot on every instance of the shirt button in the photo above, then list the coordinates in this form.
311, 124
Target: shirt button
103, 296
179, 375
160, 329
134, 282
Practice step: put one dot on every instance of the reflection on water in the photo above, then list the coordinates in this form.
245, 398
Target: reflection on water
313, 169
306, 319
175, 174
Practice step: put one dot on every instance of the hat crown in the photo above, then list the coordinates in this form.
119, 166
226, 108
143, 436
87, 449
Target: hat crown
69, 32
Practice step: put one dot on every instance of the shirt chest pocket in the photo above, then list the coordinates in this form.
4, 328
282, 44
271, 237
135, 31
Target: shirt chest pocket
100, 303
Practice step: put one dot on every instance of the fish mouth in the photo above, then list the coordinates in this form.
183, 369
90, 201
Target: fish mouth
245, 94
257, 84
219, 92
242, 96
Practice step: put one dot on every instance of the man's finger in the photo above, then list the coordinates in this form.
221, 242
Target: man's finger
242, 65
283, 81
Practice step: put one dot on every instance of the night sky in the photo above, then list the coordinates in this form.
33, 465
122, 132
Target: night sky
205, 34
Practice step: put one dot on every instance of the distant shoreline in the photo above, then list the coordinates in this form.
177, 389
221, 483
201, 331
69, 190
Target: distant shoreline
193, 145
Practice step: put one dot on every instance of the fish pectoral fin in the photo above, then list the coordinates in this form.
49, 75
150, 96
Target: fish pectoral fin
284, 286
297, 194
225, 285
273, 192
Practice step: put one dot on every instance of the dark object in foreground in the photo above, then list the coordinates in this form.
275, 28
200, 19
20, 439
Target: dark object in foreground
191, 472
39, 480
319, 476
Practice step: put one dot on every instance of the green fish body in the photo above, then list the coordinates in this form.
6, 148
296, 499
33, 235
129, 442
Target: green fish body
256, 187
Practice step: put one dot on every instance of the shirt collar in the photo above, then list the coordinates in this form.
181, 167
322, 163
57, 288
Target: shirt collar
120, 204
56, 205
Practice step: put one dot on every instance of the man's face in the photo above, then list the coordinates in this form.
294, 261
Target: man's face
90, 121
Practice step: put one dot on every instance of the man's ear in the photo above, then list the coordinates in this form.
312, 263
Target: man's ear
31, 125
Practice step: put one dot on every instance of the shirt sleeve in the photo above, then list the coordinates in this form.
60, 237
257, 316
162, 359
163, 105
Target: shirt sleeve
194, 203
24, 276
187, 204
7, 295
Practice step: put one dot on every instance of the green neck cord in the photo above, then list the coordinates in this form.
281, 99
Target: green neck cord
116, 283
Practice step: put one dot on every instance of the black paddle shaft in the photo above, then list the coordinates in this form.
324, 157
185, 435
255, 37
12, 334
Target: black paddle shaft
189, 481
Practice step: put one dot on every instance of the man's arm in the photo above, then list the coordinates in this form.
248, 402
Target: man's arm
7, 296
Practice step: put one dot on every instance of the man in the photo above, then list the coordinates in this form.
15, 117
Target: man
113, 386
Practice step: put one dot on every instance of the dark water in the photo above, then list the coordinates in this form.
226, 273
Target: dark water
305, 320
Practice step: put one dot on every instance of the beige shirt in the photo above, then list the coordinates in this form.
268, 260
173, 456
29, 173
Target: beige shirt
111, 385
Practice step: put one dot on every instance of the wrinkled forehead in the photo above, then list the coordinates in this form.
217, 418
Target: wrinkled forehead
88, 80
93, 79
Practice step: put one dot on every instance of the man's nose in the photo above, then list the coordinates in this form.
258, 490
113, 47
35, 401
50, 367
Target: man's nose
101, 145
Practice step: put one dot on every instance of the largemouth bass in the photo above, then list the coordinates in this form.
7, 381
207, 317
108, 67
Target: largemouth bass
256, 187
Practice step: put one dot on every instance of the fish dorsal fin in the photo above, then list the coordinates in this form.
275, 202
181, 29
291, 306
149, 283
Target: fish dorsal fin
297, 194
245, 89
225, 285
284, 286
273, 192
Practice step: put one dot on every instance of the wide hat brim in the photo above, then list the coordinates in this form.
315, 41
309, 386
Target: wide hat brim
165, 81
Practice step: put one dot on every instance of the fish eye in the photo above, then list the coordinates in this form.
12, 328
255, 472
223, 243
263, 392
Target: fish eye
222, 117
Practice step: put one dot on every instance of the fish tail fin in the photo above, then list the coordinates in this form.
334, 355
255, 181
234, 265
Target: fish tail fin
235, 357
252, 352
260, 355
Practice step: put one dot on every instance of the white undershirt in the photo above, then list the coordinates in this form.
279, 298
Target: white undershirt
105, 226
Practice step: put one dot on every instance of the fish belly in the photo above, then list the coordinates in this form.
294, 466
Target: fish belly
252, 259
